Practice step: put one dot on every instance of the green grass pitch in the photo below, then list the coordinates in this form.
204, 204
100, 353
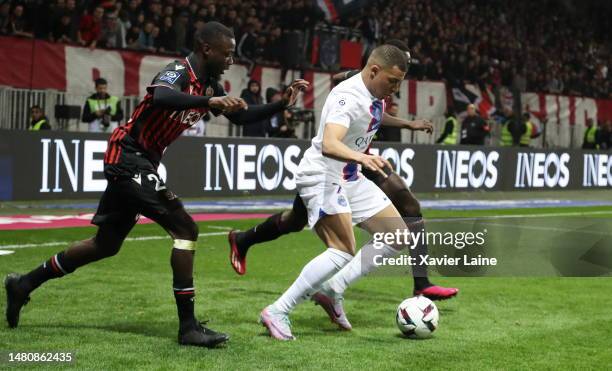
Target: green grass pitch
120, 313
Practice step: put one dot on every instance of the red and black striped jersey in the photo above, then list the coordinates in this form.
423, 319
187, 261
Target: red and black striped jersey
141, 142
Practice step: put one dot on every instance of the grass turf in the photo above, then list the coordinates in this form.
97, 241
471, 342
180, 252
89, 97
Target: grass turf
120, 314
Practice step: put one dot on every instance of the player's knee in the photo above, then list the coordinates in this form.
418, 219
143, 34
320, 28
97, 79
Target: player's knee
187, 231
410, 208
406, 204
190, 232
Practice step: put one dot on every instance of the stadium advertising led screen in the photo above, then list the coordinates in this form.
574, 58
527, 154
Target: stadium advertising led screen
70, 165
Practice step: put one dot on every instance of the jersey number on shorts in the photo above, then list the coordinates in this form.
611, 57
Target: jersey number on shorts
158, 185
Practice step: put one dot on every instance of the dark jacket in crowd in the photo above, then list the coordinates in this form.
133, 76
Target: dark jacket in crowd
389, 134
474, 130
603, 138
256, 129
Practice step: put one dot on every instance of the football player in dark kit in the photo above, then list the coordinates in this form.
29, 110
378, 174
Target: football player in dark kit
178, 96
295, 219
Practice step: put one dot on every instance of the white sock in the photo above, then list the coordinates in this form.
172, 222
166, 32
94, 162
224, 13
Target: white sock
361, 265
317, 271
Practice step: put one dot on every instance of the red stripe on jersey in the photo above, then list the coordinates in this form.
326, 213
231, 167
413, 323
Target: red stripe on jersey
172, 135
111, 158
164, 125
114, 147
162, 132
111, 146
149, 127
120, 137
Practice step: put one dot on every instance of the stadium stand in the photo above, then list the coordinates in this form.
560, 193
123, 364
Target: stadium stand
522, 47
520, 43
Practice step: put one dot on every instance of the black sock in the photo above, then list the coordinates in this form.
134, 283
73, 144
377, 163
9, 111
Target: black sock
182, 283
52, 268
419, 272
185, 297
268, 230
421, 283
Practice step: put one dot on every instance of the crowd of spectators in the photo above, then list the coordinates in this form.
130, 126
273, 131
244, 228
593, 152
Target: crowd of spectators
159, 26
560, 47
549, 46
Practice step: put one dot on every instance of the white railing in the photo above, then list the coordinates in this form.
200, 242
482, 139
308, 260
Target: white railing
15, 107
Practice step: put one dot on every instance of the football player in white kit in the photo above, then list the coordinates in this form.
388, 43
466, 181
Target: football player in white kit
336, 194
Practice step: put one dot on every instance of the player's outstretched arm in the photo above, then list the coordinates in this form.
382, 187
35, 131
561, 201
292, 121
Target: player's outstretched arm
255, 113
341, 76
424, 125
334, 148
259, 112
169, 98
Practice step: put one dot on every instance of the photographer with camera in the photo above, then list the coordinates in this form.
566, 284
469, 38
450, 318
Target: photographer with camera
278, 125
102, 111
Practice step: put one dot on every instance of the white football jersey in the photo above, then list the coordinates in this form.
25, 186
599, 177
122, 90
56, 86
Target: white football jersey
349, 104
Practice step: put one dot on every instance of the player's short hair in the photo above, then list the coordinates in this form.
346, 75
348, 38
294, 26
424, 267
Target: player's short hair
403, 46
212, 32
388, 56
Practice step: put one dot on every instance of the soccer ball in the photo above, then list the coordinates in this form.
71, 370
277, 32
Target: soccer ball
417, 317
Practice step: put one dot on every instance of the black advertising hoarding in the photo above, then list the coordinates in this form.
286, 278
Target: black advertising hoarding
56, 165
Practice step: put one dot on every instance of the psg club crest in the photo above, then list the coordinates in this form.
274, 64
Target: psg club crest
209, 91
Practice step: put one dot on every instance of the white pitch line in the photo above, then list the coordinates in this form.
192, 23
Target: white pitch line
224, 228
129, 239
149, 238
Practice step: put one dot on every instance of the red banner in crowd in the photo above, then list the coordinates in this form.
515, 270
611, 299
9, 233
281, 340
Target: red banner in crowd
350, 54
37, 64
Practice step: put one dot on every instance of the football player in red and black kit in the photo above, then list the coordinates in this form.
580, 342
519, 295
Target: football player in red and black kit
176, 99
392, 184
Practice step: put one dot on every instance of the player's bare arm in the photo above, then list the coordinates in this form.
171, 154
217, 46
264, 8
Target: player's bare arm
334, 148
417, 125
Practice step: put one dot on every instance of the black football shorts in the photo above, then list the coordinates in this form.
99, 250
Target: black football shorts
125, 199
